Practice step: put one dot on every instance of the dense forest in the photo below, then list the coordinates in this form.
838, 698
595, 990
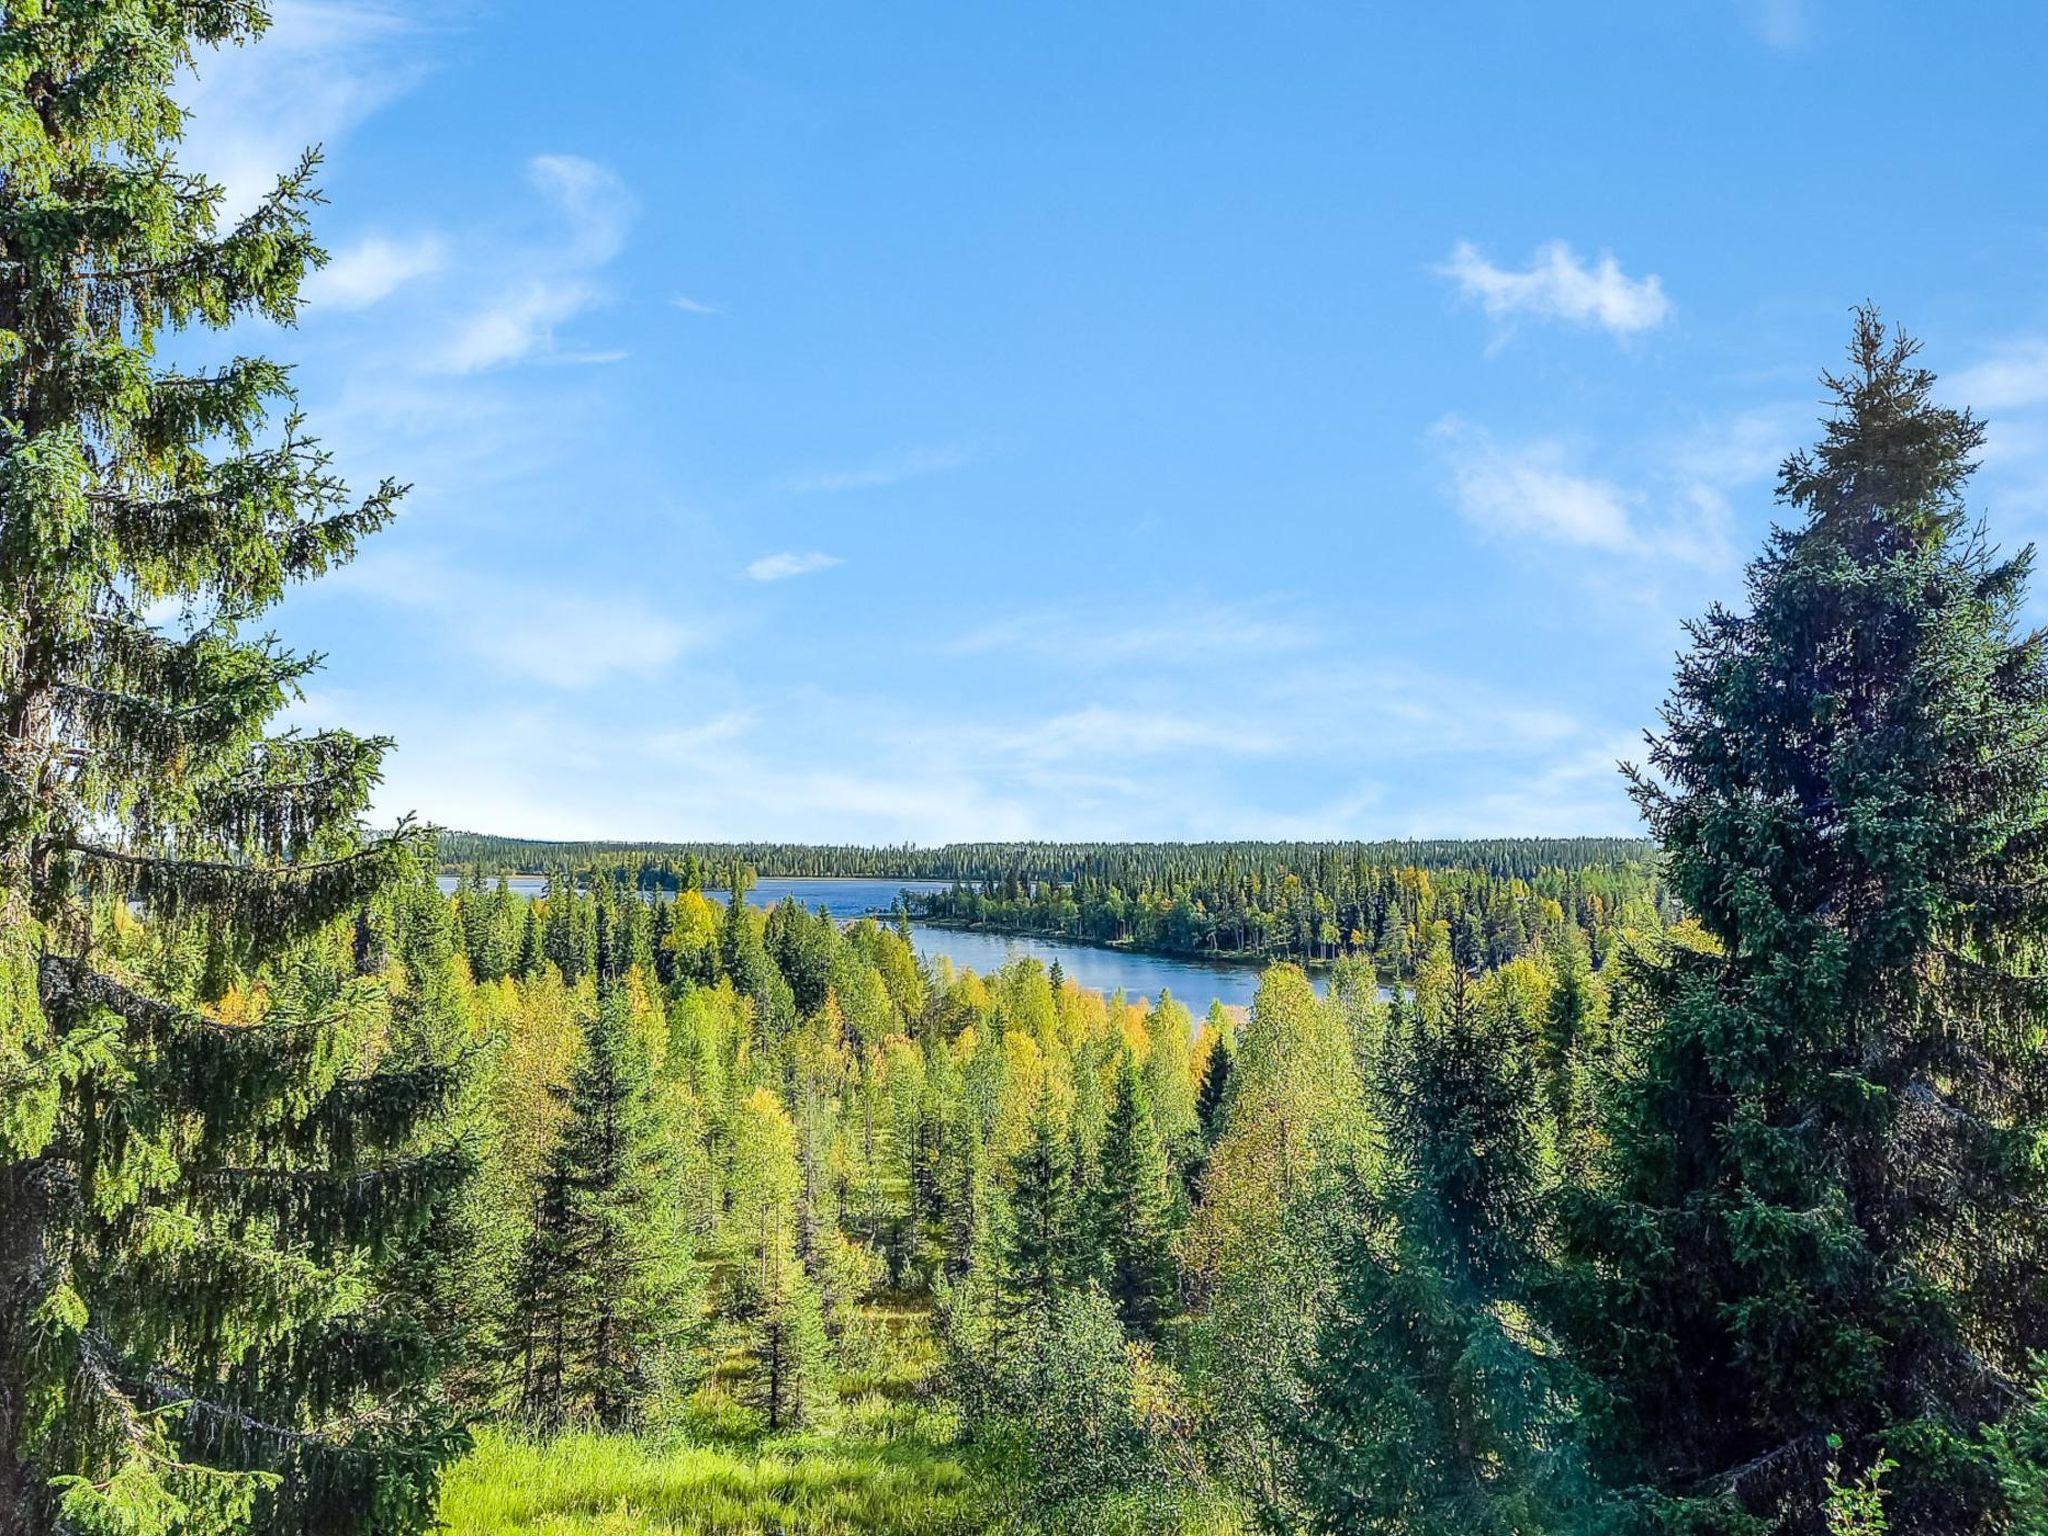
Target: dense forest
1695, 1195
691, 866
1258, 901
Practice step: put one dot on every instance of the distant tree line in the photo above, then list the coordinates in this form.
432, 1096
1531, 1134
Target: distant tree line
694, 866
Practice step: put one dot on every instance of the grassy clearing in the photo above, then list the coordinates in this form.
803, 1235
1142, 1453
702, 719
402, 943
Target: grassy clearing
884, 1464
610, 1485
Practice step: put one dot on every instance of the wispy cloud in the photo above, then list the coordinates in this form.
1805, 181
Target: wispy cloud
2008, 386
1557, 285
912, 465
1678, 509
2013, 377
542, 630
323, 67
373, 269
691, 306
551, 284
1095, 638
788, 563
1201, 766
1529, 492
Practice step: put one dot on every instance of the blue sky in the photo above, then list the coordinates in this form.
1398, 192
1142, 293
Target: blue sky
925, 421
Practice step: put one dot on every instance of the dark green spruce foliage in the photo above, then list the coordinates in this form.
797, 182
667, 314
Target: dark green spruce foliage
1574, 1037
1134, 1208
605, 1294
1430, 1406
198, 1324
1042, 1243
1823, 1211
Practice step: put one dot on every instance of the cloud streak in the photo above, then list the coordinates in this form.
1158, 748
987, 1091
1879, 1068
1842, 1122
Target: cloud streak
323, 66
538, 630
552, 284
1558, 286
1678, 511
788, 563
912, 465
372, 270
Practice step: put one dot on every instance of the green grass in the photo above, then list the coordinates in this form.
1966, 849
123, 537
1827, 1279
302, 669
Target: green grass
898, 1484
883, 1464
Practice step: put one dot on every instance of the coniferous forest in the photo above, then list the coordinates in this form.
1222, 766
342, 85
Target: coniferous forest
1694, 1186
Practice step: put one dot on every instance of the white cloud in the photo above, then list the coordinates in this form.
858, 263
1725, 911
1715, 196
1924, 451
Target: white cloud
593, 200
373, 269
912, 465
1676, 510
2012, 378
1319, 748
1557, 285
518, 324
541, 630
323, 67
788, 563
692, 307
549, 285
1529, 492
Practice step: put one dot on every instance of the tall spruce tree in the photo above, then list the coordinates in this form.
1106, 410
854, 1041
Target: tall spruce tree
1042, 1240
194, 1216
1428, 1406
1823, 1211
605, 1294
1134, 1208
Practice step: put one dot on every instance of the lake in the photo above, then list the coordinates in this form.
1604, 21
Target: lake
1195, 983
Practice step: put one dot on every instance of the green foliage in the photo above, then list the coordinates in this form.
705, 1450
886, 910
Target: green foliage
606, 1295
221, 1150
2018, 1446
1431, 1405
1066, 1413
1134, 1217
1856, 1508
1818, 1211
1043, 1251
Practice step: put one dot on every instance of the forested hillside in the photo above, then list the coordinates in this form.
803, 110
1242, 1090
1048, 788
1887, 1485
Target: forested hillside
1694, 1191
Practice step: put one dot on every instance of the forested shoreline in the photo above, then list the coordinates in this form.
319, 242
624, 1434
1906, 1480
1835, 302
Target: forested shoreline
1308, 902
1694, 1190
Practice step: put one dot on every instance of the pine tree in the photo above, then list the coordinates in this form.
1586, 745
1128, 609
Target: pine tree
1821, 1216
1134, 1232
195, 1217
605, 1294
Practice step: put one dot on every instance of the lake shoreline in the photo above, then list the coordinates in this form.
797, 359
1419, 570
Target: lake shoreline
1236, 961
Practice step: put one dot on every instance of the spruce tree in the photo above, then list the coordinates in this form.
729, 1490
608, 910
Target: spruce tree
1823, 1212
196, 1219
1572, 1033
1041, 1249
605, 1294
1428, 1407
1134, 1231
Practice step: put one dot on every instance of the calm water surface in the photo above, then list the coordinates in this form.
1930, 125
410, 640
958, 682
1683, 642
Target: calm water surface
1194, 982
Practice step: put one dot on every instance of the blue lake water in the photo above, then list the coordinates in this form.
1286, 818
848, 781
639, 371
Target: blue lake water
1195, 983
